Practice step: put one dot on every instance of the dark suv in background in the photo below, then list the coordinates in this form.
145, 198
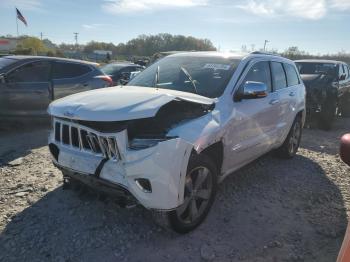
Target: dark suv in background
120, 71
29, 83
327, 85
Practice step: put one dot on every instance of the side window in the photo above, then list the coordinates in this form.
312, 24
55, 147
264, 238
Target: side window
278, 76
31, 72
63, 70
260, 72
346, 72
292, 76
341, 70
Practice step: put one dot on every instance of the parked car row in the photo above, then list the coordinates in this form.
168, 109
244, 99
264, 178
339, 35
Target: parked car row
28, 84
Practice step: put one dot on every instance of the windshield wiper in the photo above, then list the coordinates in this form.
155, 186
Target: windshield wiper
189, 78
156, 78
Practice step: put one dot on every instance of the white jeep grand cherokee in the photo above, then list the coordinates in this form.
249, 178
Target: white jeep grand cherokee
178, 128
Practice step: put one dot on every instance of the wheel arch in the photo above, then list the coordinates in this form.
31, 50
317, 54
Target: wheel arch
216, 152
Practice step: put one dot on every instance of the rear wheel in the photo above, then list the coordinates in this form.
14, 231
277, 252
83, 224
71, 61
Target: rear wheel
292, 142
199, 194
345, 108
327, 115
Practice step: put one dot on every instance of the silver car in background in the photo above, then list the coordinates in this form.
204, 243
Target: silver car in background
29, 83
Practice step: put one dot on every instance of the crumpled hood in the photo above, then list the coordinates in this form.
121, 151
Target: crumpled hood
119, 103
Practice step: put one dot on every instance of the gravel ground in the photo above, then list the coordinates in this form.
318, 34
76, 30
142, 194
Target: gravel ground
271, 210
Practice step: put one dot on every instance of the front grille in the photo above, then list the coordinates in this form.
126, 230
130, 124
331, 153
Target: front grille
84, 139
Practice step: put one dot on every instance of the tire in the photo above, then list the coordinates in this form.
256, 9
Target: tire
292, 142
199, 195
326, 118
345, 108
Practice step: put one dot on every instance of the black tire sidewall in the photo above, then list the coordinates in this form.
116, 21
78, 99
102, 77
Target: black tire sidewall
283, 151
195, 161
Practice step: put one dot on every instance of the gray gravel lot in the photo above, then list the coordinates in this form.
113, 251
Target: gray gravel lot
271, 210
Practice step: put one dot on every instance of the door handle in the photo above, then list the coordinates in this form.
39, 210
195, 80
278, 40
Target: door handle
274, 102
292, 94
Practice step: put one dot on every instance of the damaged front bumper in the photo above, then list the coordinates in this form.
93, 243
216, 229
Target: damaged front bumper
154, 176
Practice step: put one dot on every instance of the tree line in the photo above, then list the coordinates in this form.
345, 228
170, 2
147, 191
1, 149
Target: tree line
148, 45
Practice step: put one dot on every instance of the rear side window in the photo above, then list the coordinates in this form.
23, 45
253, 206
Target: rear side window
260, 72
346, 72
31, 72
278, 76
63, 70
292, 76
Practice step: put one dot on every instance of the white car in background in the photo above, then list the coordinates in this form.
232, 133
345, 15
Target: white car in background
178, 128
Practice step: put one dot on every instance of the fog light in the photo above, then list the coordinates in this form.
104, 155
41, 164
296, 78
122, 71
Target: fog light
144, 185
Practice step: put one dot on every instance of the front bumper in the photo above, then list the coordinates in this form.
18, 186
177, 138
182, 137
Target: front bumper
163, 165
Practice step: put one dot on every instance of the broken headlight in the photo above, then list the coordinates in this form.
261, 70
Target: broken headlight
143, 143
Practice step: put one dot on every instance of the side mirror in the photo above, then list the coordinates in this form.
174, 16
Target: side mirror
253, 90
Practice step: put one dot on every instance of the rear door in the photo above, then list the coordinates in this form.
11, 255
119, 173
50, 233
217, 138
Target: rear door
70, 78
285, 94
27, 90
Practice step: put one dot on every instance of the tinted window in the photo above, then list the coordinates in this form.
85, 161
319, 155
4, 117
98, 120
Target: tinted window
292, 76
6, 61
310, 68
346, 72
31, 72
209, 74
69, 70
260, 72
111, 69
278, 76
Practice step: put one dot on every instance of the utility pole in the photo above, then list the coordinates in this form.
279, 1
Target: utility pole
265, 43
76, 38
41, 36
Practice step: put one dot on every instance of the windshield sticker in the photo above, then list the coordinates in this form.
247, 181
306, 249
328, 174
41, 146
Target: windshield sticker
217, 66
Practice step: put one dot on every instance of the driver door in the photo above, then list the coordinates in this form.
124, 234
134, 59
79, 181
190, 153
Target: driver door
26, 90
252, 130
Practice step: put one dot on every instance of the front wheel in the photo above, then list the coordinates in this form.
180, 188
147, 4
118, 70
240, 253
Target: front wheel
199, 194
292, 142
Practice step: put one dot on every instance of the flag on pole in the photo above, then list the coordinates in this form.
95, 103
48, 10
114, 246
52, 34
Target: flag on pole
21, 17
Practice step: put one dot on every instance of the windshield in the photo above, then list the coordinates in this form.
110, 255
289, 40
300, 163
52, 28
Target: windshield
5, 62
111, 68
207, 76
306, 68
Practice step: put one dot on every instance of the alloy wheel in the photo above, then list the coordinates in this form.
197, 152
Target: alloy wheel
295, 138
198, 189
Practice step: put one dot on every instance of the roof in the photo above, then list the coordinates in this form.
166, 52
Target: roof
28, 57
210, 53
232, 55
319, 61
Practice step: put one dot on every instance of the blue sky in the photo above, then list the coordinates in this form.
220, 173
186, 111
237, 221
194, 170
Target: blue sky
317, 26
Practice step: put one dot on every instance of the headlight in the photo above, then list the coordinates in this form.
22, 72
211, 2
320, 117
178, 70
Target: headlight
143, 143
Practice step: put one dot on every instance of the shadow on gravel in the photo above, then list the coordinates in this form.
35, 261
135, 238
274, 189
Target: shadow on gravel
325, 141
272, 210
17, 139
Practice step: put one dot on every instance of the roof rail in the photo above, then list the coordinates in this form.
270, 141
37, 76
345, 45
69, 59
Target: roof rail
263, 53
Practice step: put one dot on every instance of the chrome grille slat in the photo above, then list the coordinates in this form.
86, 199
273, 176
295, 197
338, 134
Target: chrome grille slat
95, 142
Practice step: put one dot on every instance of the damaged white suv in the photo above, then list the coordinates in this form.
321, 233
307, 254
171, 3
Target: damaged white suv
178, 128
